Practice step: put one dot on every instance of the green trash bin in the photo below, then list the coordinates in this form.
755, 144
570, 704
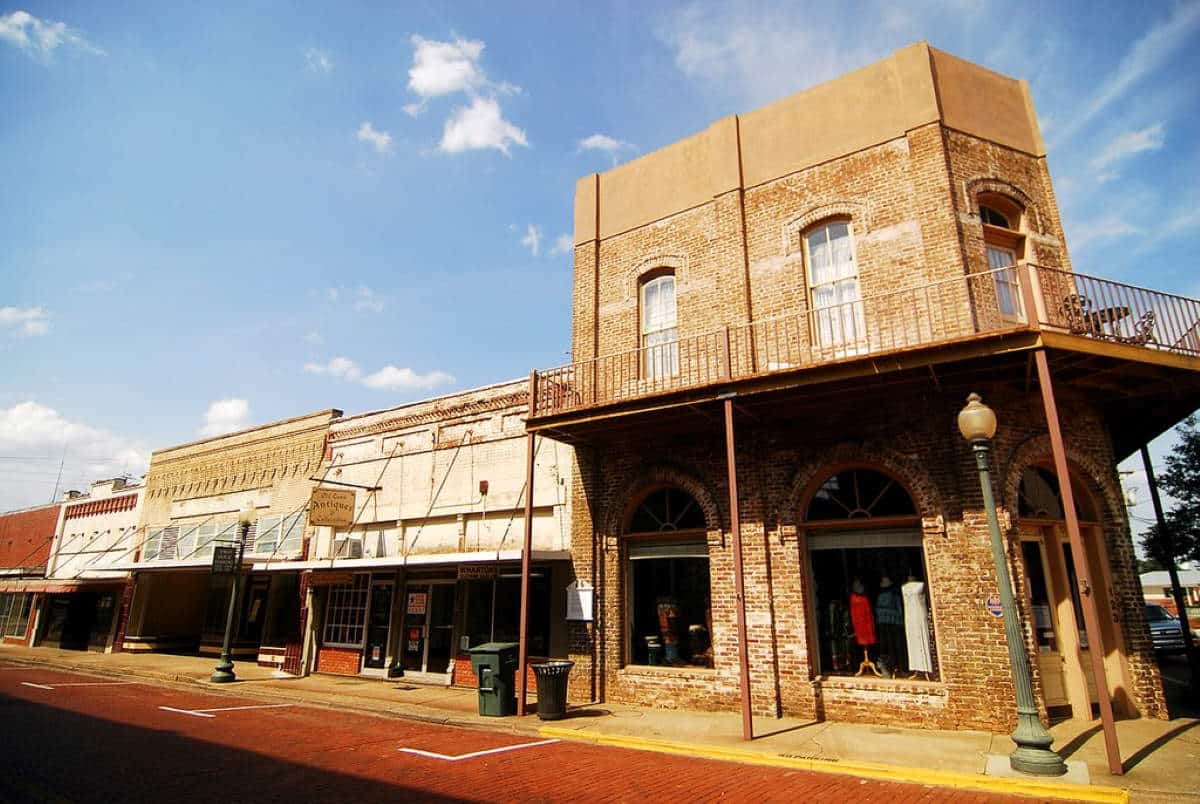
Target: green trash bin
495, 665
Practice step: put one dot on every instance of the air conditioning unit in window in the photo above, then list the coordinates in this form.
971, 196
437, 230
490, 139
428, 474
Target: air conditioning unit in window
347, 548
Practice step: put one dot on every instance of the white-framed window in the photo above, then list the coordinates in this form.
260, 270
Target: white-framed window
346, 613
1008, 293
660, 337
267, 537
150, 547
833, 282
291, 534
14, 613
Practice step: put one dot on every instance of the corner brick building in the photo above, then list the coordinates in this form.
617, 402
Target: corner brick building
799, 300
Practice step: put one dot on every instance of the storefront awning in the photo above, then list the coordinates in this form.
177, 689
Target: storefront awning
419, 560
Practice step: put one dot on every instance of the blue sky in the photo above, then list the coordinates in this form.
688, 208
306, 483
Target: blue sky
220, 216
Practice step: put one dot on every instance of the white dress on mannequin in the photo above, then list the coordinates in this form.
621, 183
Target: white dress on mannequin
916, 626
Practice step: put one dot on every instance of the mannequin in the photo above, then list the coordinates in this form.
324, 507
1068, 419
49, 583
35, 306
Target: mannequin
864, 626
889, 618
916, 628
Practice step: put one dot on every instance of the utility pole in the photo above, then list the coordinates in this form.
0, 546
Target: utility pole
1189, 644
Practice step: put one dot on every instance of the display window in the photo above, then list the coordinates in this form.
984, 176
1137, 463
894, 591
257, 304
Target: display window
667, 571
870, 591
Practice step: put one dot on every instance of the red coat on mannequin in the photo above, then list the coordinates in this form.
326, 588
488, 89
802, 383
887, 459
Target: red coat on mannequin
863, 619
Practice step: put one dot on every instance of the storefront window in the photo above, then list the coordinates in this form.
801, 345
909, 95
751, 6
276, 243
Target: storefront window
872, 598
506, 626
346, 613
670, 602
14, 613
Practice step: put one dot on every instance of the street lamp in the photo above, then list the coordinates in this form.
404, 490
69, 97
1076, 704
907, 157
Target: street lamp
223, 673
1033, 755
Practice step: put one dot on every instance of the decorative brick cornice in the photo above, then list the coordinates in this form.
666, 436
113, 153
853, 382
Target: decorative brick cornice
518, 399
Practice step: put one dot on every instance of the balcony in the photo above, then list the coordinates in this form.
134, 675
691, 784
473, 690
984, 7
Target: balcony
1027, 301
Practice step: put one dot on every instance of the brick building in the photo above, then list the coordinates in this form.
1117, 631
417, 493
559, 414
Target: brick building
25, 539
193, 495
792, 306
430, 564
95, 533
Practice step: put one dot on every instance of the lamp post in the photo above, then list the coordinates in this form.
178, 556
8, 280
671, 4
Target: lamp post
223, 672
1033, 755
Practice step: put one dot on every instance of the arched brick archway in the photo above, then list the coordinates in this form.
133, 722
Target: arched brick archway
909, 474
651, 479
1084, 468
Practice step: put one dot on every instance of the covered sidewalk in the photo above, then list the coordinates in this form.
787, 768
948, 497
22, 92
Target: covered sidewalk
1161, 764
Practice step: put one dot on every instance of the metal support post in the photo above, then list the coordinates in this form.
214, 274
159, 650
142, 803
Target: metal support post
735, 524
1091, 617
526, 549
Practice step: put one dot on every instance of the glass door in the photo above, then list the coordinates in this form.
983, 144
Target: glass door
416, 627
379, 621
441, 628
1042, 607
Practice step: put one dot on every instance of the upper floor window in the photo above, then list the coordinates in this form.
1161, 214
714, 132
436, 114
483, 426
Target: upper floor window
833, 278
1005, 246
660, 338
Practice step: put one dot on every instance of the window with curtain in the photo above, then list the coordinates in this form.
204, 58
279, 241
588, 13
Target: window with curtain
660, 338
836, 299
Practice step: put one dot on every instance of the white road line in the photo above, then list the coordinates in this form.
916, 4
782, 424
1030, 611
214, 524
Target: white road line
473, 754
184, 711
77, 684
205, 712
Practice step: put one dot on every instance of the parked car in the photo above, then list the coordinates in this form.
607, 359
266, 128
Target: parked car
1165, 630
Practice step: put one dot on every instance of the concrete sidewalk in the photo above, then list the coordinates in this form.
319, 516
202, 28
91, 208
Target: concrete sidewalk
1162, 758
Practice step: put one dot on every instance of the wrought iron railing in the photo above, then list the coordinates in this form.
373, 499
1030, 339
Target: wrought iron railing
936, 313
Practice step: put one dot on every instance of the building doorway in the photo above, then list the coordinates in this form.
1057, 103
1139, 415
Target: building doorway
427, 643
379, 623
1053, 599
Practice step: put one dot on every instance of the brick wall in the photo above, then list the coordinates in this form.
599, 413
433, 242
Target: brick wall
776, 465
339, 661
25, 536
464, 672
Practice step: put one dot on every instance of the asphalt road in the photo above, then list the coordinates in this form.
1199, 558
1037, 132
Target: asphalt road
73, 738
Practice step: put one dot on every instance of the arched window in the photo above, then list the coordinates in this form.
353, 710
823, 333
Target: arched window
1004, 242
1039, 497
833, 283
670, 602
660, 337
870, 590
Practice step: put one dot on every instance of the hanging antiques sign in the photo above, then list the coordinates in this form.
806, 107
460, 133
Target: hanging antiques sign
224, 561
331, 507
476, 572
579, 601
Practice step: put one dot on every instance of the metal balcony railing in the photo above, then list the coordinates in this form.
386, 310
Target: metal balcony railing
926, 315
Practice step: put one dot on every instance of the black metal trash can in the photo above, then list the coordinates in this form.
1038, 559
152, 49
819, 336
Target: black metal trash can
552, 689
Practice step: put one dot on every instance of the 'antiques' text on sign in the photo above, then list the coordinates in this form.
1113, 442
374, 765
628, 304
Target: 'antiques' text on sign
331, 507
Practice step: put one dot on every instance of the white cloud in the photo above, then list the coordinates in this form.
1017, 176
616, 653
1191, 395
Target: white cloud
39, 37
1130, 144
480, 126
318, 61
562, 245
391, 378
314, 337
367, 300
380, 139
443, 68
1150, 52
36, 435
343, 368
225, 416
606, 145
532, 239
1107, 227
24, 322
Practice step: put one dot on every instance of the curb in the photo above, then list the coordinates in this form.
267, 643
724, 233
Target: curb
866, 770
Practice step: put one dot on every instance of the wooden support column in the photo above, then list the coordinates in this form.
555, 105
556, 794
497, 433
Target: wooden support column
526, 549
1091, 616
735, 523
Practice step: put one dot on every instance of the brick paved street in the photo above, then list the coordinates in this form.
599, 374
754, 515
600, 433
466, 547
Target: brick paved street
75, 738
